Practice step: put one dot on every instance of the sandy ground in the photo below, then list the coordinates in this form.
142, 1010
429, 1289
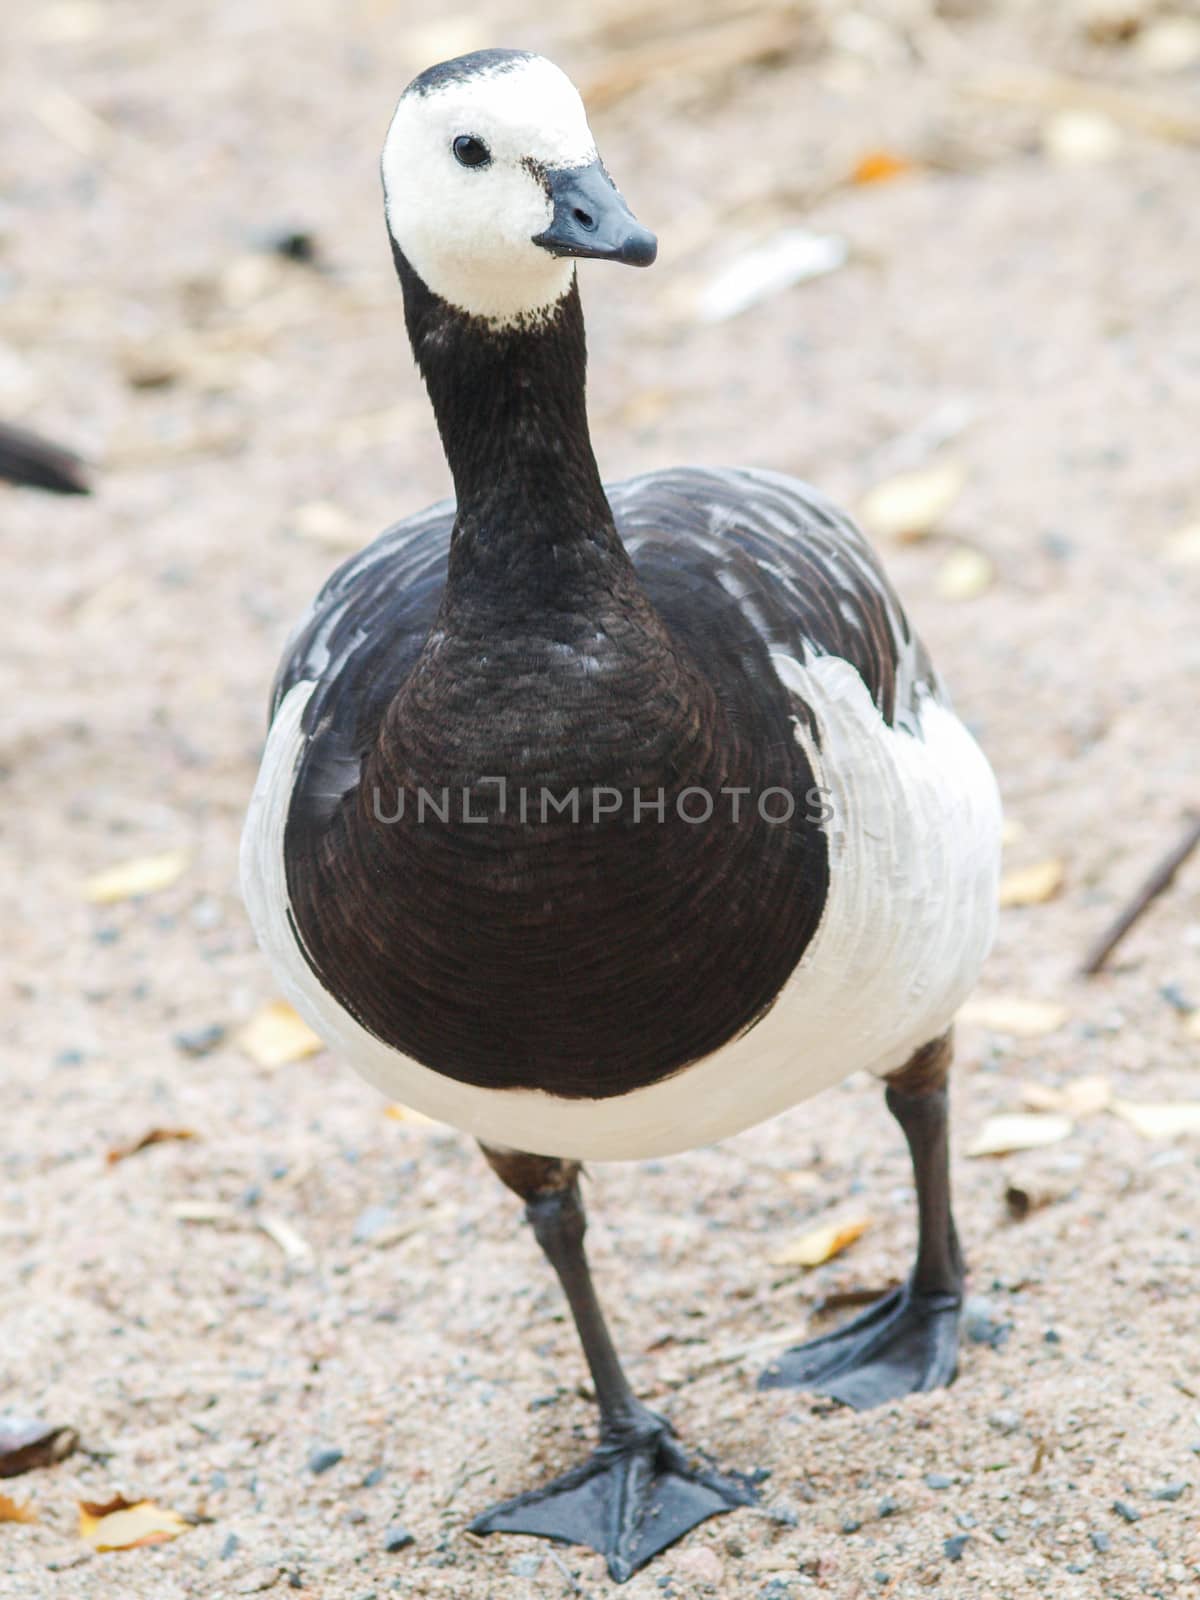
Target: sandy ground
1045, 314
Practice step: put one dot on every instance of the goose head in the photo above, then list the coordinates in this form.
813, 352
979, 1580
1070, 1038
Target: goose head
492, 186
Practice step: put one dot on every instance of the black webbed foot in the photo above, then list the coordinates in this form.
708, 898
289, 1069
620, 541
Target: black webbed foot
633, 1497
905, 1343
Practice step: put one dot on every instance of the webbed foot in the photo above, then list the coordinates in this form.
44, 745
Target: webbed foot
905, 1343
629, 1500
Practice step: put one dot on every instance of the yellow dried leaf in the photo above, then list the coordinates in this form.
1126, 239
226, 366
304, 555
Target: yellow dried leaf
10, 1511
122, 1524
821, 1245
912, 504
1032, 886
1024, 1019
964, 575
277, 1036
399, 1113
144, 875
1082, 1097
1162, 1120
1018, 1130
879, 166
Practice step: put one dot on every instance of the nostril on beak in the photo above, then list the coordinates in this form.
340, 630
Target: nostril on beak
585, 219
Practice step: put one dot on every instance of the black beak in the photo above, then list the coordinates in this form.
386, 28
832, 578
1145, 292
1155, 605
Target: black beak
591, 219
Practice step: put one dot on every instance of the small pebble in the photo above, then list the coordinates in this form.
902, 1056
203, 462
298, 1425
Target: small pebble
701, 1564
1169, 1492
775, 1590
293, 244
1077, 1567
882, 1577
888, 1507
954, 1547
197, 1042
321, 1460
371, 1222
218, 1480
1000, 1533
965, 1519
981, 1323
1052, 1336
1175, 997
398, 1537
735, 1548
938, 1480
1004, 1421
1130, 1513
783, 1513
230, 1547
851, 1525
375, 1476
1100, 1542
355, 1515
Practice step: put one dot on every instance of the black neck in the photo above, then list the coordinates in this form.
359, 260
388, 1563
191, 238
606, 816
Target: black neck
511, 410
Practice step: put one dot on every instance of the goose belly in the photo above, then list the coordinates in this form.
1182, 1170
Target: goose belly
914, 848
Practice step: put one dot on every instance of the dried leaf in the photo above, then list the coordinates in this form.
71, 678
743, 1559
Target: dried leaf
1168, 44
277, 1036
822, 1244
26, 1443
144, 875
880, 166
294, 1246
1033, 885
10, 1511
1016, 1130
1021, 1199
325, 523
1024, 1019
910, 505
965, 574
788, 258
1183, 546
121, 1524
154, 1136
399, 1113
203, 1211
1081, 138
1162, 1120
1081, 1097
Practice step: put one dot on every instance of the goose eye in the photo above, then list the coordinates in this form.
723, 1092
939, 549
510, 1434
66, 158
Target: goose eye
470, 151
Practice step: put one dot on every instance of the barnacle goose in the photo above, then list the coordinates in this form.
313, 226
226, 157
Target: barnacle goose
605, 821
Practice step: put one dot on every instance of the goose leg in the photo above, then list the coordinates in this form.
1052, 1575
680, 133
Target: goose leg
638, 1492
906, 1342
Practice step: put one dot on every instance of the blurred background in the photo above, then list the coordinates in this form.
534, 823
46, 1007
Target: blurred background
940, 258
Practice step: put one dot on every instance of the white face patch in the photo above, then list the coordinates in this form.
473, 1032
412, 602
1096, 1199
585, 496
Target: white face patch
468, 231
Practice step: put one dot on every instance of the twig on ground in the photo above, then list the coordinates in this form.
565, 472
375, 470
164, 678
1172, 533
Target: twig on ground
1150, 890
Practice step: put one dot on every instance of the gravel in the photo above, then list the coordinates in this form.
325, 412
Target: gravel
1043, 317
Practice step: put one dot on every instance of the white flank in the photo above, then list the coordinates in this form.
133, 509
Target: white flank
914, 850
468, 231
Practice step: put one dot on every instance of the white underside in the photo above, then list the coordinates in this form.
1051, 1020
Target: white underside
914, 850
